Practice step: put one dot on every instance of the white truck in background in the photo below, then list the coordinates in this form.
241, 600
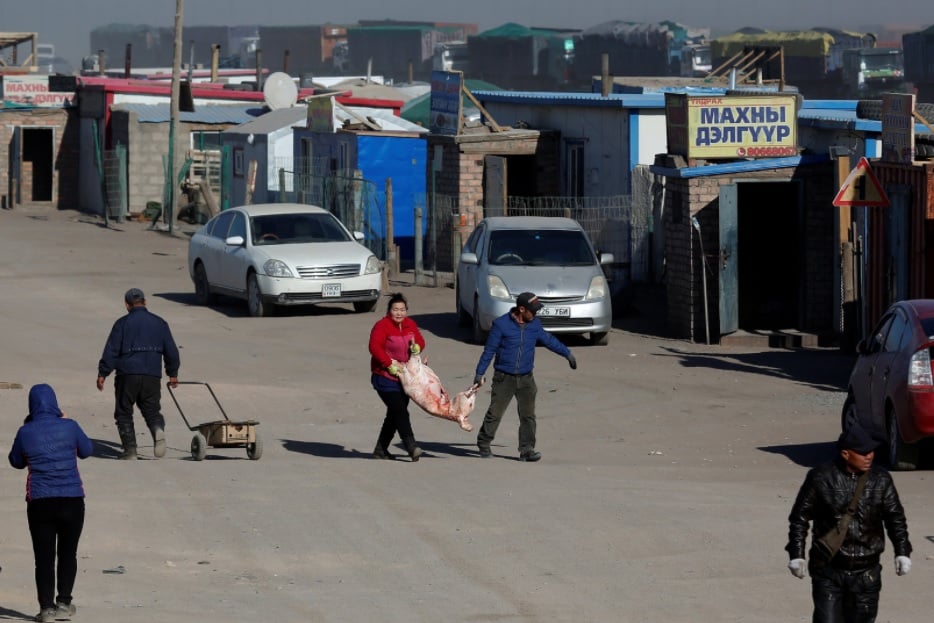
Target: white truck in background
451, 56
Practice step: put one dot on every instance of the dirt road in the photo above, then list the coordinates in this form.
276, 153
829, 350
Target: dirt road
669, 468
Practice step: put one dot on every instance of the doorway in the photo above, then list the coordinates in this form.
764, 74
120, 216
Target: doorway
769, 270
37, 164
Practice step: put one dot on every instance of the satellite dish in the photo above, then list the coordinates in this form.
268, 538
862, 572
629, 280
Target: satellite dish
280, 91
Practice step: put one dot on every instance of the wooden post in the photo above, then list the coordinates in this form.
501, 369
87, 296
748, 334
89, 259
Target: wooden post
392, 255
215, 60
127, 61
173, 113
605, 75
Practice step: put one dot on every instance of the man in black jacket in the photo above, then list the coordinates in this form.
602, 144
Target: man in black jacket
846, 588
137, 345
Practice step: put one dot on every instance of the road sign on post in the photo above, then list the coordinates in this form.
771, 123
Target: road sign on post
861, 188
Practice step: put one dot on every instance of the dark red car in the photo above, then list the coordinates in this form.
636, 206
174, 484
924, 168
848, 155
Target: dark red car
891, 388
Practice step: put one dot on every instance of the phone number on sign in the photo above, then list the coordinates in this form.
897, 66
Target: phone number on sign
752, 152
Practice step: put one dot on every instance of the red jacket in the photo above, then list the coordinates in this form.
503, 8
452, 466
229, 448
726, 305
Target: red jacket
389, 341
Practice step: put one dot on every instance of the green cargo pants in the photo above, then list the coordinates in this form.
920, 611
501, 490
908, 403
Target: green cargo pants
505, 386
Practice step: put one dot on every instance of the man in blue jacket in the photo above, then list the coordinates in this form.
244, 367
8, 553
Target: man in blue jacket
138, 344
511, 347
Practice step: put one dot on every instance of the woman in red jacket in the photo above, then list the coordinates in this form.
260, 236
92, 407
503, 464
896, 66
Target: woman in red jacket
393, 338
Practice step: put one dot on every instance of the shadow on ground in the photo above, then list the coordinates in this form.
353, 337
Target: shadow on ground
336, 451
805, 454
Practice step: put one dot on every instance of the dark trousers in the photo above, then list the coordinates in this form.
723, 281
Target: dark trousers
142, 391
845, 596
55, 524
396, 420
505, 386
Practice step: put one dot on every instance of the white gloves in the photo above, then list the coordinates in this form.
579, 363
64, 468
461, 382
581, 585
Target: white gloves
902, 565
798, 567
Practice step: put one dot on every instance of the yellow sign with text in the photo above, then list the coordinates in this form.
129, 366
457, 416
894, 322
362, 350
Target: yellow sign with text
732, 127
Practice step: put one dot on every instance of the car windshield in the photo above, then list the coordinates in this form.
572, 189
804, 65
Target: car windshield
517, 247
296, 229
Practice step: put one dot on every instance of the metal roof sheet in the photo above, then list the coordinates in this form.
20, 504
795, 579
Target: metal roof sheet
614, 100
210, 114
271, 121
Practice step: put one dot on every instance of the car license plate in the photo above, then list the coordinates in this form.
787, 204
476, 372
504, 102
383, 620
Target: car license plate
557, 312
330, 290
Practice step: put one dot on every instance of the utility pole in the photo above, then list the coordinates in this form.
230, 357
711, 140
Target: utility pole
173, 114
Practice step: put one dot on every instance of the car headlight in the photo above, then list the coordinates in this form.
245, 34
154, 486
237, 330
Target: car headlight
597, 289
497, 288
372, 265
276, 268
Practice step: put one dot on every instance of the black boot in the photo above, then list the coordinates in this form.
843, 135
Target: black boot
379, 452
414, 451
128, 439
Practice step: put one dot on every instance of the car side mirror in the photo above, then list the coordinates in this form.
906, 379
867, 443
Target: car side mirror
864, 346
358, 235
235, 241
606, 258
469, 258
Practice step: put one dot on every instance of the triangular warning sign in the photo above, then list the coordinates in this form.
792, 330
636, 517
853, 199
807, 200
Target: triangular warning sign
861, 188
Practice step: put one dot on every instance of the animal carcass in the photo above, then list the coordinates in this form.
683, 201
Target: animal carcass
423, 386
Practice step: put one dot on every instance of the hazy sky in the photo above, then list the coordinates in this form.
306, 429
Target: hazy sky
67, 23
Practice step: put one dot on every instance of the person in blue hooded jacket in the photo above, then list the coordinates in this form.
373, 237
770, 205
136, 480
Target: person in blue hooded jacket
511, 348
49, 444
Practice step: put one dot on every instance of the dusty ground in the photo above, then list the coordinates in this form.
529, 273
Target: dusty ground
668, 472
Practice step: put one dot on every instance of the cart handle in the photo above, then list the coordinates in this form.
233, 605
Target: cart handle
179, 407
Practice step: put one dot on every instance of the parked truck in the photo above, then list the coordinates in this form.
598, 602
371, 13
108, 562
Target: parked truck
695, 60
451, 56
637, 49
523, 58
400, 50
919, 62
813, 60
870, 72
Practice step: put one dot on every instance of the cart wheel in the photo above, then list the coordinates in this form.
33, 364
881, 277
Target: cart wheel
199, 447
255, 450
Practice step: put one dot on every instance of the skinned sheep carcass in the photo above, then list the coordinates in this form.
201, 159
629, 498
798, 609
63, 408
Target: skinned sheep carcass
423, 386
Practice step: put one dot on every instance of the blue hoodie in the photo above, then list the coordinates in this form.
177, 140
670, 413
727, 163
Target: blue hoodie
48, 444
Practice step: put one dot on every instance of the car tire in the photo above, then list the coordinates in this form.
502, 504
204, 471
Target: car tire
902, 456
479, 335
599, 338
254, 298
362, 307
463, 318
203, 293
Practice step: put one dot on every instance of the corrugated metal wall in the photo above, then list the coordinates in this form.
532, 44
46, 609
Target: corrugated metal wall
879, 279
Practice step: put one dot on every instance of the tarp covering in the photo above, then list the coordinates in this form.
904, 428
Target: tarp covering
643, 34
512, 30
811, 43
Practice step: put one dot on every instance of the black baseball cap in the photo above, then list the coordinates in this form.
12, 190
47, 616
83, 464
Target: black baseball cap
529, 301
856, 438
133, 295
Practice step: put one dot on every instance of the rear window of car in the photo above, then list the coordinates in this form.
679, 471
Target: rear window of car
927, 325
296, 229
518, 247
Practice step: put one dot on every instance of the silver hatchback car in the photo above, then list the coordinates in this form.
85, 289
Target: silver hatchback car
550, 256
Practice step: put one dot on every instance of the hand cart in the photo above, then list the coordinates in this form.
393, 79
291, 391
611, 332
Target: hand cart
220, 433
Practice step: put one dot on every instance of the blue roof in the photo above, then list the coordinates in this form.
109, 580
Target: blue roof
596, 100
210, 113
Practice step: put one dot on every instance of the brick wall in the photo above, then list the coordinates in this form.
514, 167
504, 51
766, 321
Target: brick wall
65, 145
147, 145
700, 197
